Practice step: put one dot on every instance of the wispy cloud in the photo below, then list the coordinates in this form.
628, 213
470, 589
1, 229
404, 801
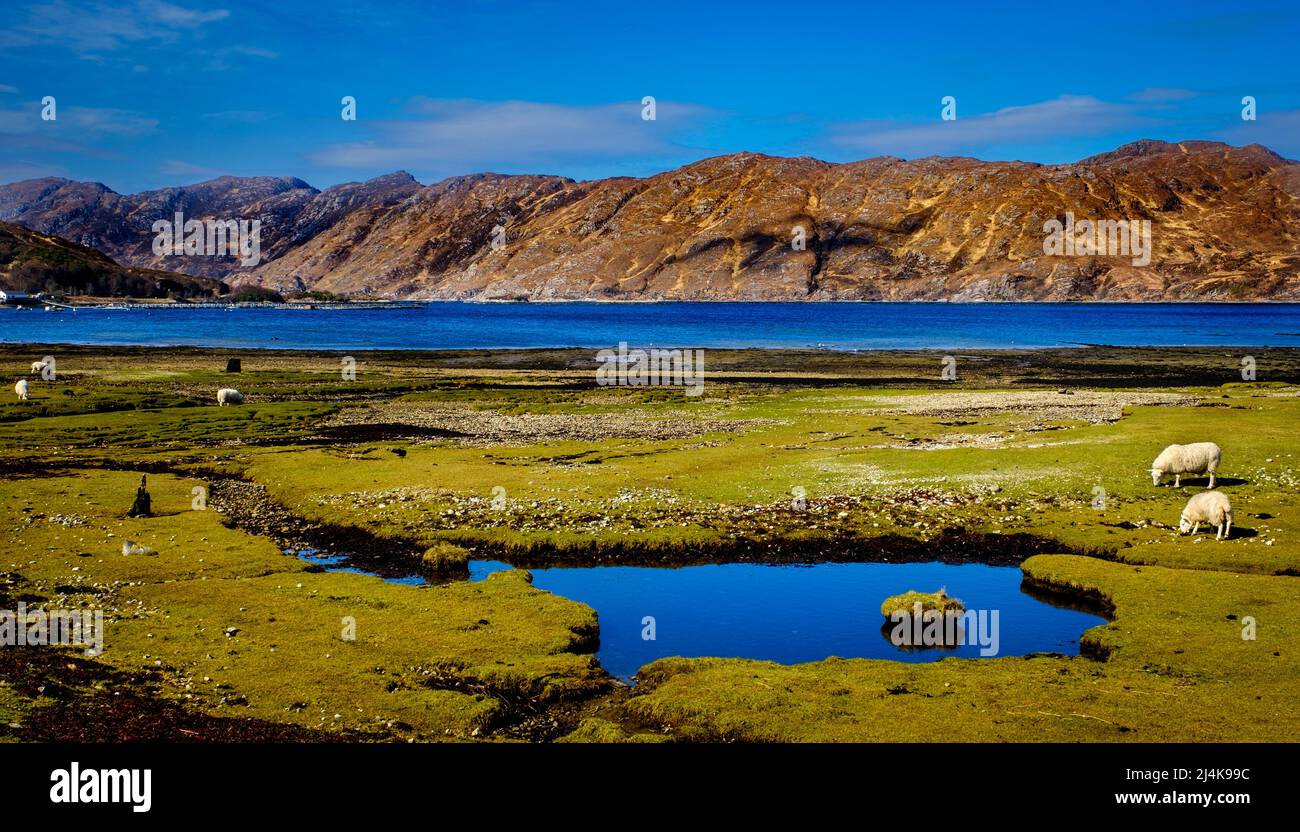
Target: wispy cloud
238, 116
74, 131
16, 170
1157, 95
109, 121
253, 52
177, 167
1066, 116
88, 28
462, 135
1278, 130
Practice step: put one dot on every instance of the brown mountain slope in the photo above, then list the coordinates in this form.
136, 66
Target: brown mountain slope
290, 210
31, 262
1225, 225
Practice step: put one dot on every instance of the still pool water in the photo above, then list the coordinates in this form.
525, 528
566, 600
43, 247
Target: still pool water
786, 613
794, 613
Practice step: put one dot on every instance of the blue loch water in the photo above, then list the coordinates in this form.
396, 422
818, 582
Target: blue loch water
841, 326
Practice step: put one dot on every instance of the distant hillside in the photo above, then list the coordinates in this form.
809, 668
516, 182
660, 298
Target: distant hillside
1225, 225
31, 262
291, 212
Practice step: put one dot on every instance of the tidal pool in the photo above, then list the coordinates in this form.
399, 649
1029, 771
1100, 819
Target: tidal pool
787, 613
795, 613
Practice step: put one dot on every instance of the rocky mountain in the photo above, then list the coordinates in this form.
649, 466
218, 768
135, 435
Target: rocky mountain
32, 262
1224, 225
291, 212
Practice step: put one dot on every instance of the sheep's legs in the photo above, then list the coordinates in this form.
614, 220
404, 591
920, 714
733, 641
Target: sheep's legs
1211, 479
1196, 526
1178, 480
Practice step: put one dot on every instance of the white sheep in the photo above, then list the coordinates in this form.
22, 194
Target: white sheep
229, 395
38, 367
1196, 458
1210, 507
21, 389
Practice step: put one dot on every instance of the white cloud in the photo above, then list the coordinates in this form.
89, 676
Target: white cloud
87, 28
467, 135
177, 167
1278, 130
16, 170
1068, 115
108, 121
253, 52
1158, 95
72, 131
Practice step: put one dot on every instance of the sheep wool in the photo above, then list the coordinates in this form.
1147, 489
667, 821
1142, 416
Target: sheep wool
1196, 458
1210, 507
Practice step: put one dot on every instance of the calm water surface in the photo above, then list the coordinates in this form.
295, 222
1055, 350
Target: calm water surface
844, 326
784, 613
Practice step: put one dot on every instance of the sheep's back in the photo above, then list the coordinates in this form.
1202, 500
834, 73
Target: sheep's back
1209, 506
1188, 459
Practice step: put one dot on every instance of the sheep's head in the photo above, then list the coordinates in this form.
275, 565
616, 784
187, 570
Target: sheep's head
1156, 474
1184, 525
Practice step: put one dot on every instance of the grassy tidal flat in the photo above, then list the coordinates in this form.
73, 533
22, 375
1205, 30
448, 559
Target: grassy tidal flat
1038, 458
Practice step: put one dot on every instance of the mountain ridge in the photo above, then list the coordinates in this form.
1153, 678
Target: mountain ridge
1225, 226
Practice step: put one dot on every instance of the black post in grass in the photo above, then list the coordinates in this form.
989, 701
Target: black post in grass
140, 508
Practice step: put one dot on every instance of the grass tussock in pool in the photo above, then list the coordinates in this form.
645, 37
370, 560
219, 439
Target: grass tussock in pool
444, 557
912, 602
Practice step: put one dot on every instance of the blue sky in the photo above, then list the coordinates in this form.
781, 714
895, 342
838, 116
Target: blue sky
152, 93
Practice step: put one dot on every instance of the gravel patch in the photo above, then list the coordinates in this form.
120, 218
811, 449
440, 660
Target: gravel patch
483, 428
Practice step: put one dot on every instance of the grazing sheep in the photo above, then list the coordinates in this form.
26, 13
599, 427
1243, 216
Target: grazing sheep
1196, 458
229, 395
21, 389
1210, 507
38, 367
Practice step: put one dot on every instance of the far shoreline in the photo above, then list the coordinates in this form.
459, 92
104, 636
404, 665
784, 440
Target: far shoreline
415, 353
400, 303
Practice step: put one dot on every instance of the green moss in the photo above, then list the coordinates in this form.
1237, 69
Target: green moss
595, 729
